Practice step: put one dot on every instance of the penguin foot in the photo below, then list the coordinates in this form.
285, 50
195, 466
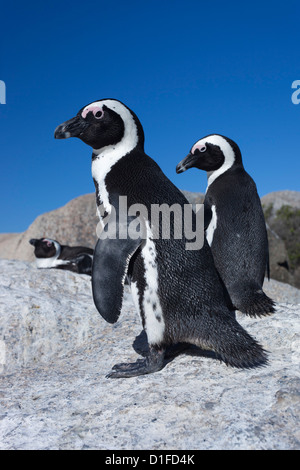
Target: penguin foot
152, 363
141, 346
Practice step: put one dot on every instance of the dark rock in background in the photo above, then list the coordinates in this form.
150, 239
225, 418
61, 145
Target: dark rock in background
282, 214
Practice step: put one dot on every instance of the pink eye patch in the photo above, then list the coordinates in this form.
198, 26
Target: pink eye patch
200, 147
96, 110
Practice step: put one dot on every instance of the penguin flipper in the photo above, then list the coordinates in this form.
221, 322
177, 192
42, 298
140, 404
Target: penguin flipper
110, 265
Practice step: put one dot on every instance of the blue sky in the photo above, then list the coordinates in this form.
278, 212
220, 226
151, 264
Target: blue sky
187, 68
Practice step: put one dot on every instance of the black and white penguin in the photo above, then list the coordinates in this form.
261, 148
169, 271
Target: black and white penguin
235, 224
176, 291
51, 254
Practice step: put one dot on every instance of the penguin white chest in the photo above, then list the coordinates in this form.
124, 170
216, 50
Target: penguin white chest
212, 226
100, 168
154, 321
43, 263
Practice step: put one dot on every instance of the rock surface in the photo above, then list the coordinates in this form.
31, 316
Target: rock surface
56, 350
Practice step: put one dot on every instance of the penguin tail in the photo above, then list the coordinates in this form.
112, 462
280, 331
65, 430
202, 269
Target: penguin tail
232, 344
255, 303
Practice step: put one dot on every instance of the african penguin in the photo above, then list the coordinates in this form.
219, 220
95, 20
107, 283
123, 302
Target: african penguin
51, 254
177, 291
235, 224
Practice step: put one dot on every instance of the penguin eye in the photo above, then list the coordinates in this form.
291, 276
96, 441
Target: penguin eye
202, 149
98, 114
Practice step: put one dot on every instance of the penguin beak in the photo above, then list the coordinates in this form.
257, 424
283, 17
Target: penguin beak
33, 241
72, 128
188, 162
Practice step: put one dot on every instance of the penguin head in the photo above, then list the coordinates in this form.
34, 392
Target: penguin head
102, 124
211, 153
45, 247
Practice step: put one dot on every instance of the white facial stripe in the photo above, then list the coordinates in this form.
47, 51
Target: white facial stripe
212, 226
154, 321
227, 152
109, 155
57, 247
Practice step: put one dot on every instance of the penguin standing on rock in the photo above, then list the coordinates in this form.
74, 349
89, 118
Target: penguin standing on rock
234, 221
176, 291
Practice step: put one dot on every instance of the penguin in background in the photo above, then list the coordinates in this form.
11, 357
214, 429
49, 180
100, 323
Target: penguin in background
176, 291
235, 224
51, 254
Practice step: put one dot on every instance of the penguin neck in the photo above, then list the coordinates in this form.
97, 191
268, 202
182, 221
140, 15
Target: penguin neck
105, 158
225, 168
213, 175
102, 165
231, 153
